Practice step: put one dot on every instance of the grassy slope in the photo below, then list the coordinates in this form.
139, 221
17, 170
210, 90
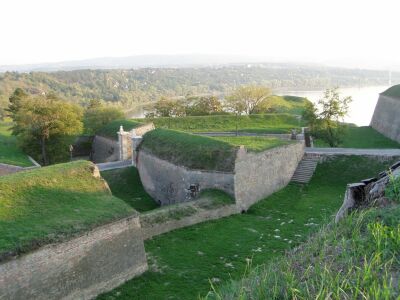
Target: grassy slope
44, 205
356, 259
193, 151
287, 104
363, 137
126, 185
183, 262
110, 130
9, 152
393, 91
269, 123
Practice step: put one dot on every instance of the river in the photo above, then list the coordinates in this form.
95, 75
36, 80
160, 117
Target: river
361, 109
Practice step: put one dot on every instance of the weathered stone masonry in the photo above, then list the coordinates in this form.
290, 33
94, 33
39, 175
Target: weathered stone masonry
386, 118
256, 176
80, 268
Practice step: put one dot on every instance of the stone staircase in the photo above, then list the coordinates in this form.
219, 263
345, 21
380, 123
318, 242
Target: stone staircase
306, 168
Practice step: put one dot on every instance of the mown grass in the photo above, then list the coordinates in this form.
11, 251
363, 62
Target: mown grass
287, 104
362, 137
126, 184
268, 123
111, 129
189, 150
9, 152
184, 262
356, 259
253, 143
49, 204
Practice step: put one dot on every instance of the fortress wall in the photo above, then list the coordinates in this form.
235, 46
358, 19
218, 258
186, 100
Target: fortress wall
155, 223
9, 169
258, 175
169, 183
80, 268
141, 130
105, 149
386, 118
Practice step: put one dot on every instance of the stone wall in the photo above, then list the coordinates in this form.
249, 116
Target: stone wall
105, 149
168, 183
9, 169
80, 268
141, 130
258, 175
386, 118
155, 223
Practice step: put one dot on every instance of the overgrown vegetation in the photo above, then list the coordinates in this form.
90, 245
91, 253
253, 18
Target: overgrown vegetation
357, 259
52, 203
10, 153
126, 184
184, 262
268, 123
393, 188
362, 137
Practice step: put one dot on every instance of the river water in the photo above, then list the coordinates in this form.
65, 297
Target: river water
361, 109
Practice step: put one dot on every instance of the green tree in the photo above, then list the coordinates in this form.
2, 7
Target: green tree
98, 115
169, 108
43, 120
16, 101
204, 105
237, 106
326, 118
251, 96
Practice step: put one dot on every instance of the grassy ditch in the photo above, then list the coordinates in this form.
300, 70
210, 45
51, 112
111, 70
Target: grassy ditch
52, 203
266, 123
126, 184
253, 143
184, 262
356, 259
9, 152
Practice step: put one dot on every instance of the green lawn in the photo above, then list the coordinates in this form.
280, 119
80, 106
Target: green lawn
253, 143
48, 204
125, 184
268, 123
363, 137
9, 152
184, 262
111, 129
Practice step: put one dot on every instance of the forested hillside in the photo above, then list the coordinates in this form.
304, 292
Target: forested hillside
129, 87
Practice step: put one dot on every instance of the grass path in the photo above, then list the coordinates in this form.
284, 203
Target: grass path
9, 152
184, 262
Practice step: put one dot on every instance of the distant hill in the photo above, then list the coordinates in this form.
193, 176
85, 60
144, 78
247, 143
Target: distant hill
131, 86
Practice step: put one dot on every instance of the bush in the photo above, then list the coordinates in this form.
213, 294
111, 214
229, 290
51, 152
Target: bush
393, 188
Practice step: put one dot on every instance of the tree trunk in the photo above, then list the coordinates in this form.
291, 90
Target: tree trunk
44, 156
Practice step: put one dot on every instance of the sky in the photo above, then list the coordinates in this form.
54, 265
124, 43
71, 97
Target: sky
351, 32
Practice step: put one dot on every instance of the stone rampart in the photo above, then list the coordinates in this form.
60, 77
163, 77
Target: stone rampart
386, 118
258, 175
105, 149
80, 268
9, 169
168, 183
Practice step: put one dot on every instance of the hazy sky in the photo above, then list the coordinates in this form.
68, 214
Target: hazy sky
363, 32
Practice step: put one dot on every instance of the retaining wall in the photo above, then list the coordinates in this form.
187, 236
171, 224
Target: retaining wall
258, 175
168, 183
81, 268
386, 118
105, 149
9, 169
